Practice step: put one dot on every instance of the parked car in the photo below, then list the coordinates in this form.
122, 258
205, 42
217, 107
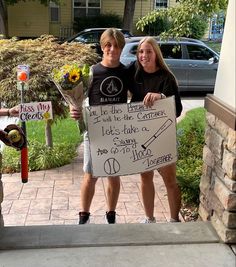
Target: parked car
92, 36
193, 63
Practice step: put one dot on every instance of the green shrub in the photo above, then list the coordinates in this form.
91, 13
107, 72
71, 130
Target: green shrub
41, 157
157, 27
66, 140
189, 166
10, 160
103, 20
198, 27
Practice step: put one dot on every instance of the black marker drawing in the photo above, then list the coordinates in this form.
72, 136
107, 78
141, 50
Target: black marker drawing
164, 126
111, 166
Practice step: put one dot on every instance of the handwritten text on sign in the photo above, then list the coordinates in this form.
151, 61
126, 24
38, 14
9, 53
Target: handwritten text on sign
36, 111
131, 138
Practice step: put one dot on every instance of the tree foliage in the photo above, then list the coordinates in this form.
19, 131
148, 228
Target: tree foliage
181, 15
42, 55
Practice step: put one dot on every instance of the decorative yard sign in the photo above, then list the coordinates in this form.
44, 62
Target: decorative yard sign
131, 138
36, 111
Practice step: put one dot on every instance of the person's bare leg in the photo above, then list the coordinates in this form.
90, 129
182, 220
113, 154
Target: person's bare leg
168, 174
148, 193
113, 191
87, 191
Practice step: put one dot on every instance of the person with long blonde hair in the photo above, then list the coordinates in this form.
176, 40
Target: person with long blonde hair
153, 81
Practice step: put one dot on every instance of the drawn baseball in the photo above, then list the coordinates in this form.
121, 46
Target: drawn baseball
111, 166
163, 127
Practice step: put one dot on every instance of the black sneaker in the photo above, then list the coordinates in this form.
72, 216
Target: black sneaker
111, 217
84, 217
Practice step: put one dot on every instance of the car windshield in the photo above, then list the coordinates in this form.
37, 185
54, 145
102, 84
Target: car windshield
91, 37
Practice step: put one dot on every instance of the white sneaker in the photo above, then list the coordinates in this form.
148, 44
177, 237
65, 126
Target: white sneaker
148, 220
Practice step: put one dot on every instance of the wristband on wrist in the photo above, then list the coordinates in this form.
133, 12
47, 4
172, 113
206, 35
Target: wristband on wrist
8, 113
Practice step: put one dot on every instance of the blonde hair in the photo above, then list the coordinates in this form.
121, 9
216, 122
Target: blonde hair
112, 33
159, 58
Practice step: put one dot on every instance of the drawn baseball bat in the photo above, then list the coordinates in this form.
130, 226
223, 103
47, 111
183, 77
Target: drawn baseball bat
164, 126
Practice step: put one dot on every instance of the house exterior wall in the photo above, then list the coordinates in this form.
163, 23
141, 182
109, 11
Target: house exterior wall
64, 27
28, 19
218, 181
31, 19
142, 8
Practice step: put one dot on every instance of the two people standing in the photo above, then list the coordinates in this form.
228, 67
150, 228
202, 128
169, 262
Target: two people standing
151, 80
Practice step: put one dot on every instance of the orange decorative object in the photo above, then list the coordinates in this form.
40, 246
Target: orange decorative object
22, 76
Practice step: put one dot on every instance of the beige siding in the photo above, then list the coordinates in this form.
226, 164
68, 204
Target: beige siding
31, 19
65, 23
172, 3
66, 13
28, 19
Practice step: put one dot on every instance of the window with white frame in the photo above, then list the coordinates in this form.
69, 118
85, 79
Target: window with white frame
85, 8
54, 12
161, 3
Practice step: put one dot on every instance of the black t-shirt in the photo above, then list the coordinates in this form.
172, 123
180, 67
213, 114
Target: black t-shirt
160, 81
108, 85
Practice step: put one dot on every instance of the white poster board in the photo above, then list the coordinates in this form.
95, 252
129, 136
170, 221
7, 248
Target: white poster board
35, 111
131, 138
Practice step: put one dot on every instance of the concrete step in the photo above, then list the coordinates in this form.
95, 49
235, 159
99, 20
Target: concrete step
94, 235
166, 244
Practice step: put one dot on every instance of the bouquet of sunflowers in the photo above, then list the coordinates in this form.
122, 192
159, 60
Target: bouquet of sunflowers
72, 81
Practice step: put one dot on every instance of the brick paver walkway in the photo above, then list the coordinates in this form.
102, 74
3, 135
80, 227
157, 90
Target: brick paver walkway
53, 197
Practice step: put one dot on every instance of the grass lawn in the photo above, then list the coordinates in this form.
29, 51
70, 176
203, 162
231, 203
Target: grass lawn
63, 131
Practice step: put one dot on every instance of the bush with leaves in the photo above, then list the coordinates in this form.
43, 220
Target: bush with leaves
104, 21
181, 14
197, 27
157, 27
41, 157
42, 55
189, 165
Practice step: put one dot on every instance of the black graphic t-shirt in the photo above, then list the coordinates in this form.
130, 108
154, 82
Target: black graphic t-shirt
108, 85
160, 81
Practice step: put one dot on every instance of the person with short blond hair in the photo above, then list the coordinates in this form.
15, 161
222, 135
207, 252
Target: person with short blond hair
106, 74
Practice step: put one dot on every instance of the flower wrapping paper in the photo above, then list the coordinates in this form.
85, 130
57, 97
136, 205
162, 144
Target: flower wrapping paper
72, 83
74, 97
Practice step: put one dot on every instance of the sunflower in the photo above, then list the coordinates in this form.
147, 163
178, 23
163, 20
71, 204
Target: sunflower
74, 75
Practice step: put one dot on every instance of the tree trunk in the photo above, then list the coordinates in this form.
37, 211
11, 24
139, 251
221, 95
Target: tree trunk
129, 14
3, 19
48, 134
